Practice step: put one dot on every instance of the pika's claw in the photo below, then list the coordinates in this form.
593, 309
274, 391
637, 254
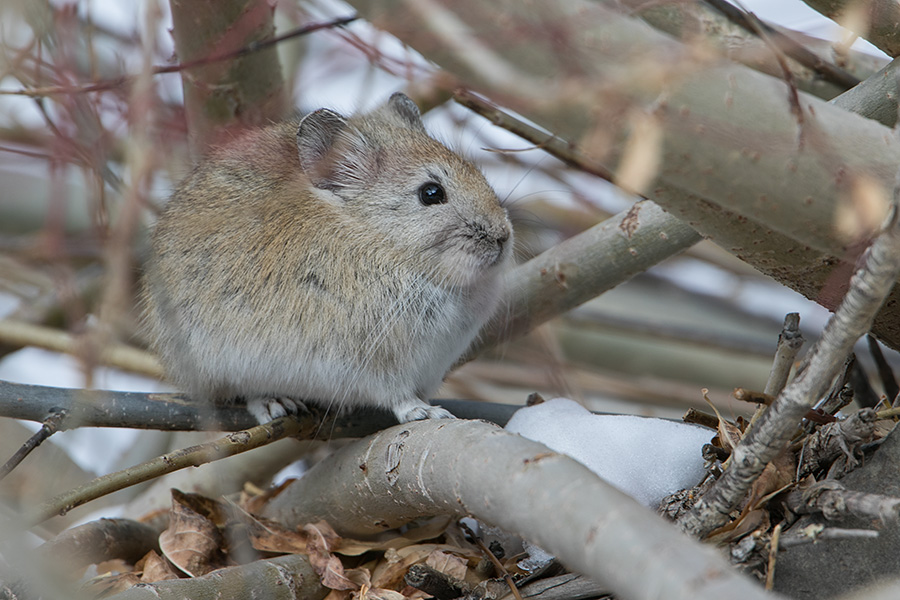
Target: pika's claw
269, 409
418, 411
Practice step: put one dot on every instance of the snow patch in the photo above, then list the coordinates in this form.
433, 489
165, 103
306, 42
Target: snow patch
646, 458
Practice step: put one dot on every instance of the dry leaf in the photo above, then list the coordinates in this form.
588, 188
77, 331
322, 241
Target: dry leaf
107, 585
447, 563
389, 573
321, 538
747, 522
192, 542
155, 568
330, 570
392, 540
777, 475
269, 536
381, 594
255, 504
729, 436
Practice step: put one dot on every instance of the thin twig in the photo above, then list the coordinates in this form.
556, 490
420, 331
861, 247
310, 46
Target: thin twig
194, 456
116, 82
757, 27
19, 333
175, 412
811, 60
815, 533
773, 555
497, 564
50, 426
548, 142
853, 318
790, 340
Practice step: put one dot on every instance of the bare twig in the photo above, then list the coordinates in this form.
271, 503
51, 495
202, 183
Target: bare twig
834, 501
548, 142
51, 426
563, 587
785, 44
193, 456
773, 556
175, 412
583, 267
116, 82
790, 340
490, 555
18, 333
868, 289
835, 440
814, 533
283, 578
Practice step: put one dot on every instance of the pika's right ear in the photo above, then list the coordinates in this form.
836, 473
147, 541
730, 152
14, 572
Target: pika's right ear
315, 137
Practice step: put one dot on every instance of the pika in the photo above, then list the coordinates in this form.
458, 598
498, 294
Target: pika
339, 261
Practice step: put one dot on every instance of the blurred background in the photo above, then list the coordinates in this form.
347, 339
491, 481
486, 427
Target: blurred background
83, 175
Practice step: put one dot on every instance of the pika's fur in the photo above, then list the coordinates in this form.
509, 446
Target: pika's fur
340, 261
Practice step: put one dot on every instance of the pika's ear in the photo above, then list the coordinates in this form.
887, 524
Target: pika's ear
402, 106
331, 151
316, 136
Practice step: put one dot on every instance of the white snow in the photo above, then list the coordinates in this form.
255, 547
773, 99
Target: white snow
644, 457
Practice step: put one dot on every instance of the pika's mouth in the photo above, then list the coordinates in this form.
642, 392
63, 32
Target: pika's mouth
488, 243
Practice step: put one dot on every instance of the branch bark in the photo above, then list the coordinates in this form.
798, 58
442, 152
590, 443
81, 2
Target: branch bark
453, 467
584, 267
246, 91
703, 22
283, 578
880, 27
174, 412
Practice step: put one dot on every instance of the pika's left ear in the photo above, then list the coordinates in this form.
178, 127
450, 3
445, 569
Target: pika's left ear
400, 105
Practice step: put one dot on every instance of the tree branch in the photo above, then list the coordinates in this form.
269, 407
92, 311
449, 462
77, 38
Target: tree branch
175, 412
880, 28
435, 467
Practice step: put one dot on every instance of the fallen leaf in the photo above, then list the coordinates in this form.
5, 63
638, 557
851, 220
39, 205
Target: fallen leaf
192, 541
155, 568
448, 563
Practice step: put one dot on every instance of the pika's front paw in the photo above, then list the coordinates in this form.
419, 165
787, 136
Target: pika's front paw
418, 410
269, 409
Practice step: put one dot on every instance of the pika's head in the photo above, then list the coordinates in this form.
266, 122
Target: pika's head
434, 207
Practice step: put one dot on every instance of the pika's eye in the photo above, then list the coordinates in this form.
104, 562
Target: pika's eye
432, 193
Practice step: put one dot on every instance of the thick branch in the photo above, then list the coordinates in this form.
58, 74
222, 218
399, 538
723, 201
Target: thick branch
584, 267
876, 97
283, 578
733, 34
881, 26
248, 90
453, 467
